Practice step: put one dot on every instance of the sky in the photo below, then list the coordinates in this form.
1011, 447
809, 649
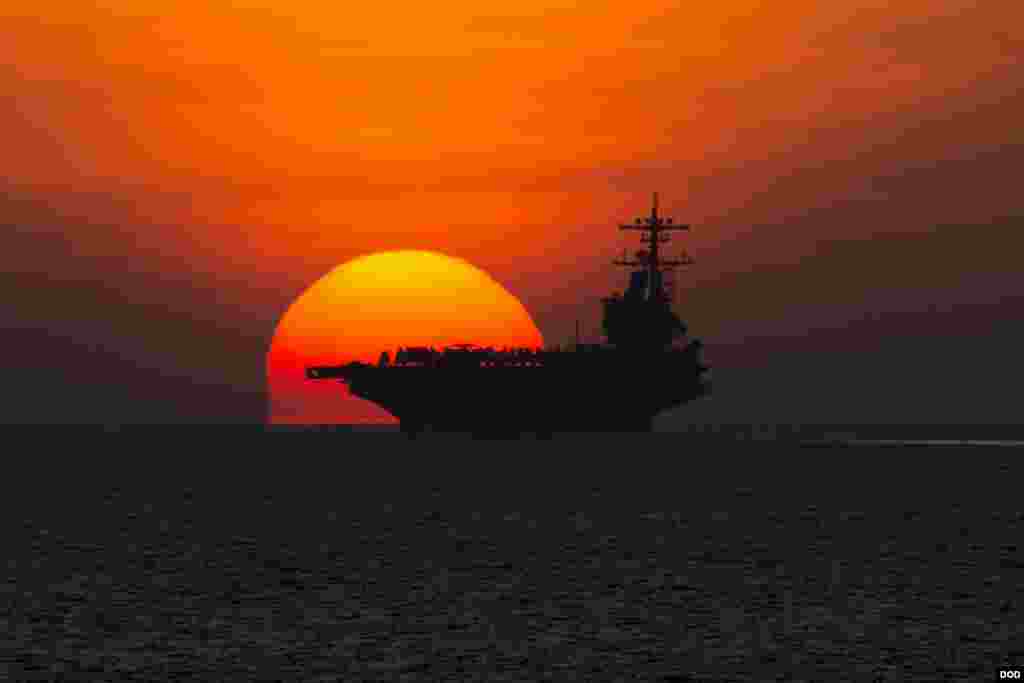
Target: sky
179, 172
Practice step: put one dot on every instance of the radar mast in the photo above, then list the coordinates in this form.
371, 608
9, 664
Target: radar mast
655, 229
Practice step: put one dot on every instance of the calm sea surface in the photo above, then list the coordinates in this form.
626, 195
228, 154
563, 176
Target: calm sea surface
222, 557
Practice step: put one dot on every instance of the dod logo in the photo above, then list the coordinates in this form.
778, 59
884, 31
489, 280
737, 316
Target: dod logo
1009, 674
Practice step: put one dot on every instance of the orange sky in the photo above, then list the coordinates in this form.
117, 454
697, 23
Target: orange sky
247, 148
319, 120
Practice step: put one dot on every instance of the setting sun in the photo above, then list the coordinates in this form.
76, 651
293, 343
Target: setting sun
377, 303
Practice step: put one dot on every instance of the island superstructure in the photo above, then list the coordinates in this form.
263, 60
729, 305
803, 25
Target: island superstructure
641, 369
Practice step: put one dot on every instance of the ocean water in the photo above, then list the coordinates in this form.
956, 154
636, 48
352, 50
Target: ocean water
222, 555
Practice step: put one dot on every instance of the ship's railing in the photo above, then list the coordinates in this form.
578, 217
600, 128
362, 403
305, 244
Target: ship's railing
467, 356
464, 355
486, 357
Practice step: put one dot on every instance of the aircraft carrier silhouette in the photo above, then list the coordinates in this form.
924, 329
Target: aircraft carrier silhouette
642, 368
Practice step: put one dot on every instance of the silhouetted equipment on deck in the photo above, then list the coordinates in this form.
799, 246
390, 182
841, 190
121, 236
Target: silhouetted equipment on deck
616, 386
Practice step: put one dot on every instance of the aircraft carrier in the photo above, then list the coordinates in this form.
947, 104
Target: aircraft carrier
645, 365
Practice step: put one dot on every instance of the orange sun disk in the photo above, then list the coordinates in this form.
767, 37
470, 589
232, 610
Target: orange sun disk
377, 303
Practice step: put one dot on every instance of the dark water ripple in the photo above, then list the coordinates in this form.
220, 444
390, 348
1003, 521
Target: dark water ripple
198, 585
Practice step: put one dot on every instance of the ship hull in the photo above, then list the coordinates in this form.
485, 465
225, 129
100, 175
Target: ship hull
507, 401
